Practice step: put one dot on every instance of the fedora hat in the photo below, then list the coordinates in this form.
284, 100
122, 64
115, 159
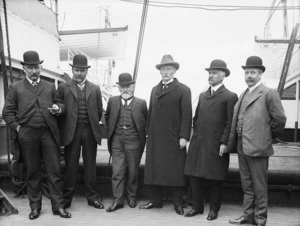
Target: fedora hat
125, 79
31, 58
80, 61
167, 60
219, 65
254, 62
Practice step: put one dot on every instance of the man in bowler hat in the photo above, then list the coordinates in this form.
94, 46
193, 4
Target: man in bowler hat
257, 119
126, 118
80, 129
207, 160
30, 109
169, 128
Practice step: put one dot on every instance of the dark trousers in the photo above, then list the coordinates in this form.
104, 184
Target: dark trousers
253, 172
126, 157
37, 144
157, 194
83, 137
197, 193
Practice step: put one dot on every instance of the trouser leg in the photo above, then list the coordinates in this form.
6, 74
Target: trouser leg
197, 193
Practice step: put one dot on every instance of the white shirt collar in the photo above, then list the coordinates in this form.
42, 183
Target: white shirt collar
82, 84
215, 88
168, 81
128, 101
253, 87
31, 82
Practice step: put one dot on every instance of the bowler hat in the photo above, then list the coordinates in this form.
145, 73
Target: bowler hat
219, 65
254, 62
125, 79
80, 61
167, 60
31, 58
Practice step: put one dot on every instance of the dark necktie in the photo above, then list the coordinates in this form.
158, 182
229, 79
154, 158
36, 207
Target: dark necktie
125, 104
35, 84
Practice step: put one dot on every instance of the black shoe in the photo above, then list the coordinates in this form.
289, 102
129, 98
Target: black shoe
131, 203
150, 205
179, 210
96, 204
240, 220
62, 213
212, 215
115, 206
193, 212
35, 213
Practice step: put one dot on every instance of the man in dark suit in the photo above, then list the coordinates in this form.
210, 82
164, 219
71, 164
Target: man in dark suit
126, 118
169, 128
79, 127
207, 160
30, 109
257, 119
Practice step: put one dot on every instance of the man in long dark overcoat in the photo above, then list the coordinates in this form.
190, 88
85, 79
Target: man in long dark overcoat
30, 109
80, 128
169, 127
207, 160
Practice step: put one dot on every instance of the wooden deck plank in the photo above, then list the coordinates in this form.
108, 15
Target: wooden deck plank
82, 214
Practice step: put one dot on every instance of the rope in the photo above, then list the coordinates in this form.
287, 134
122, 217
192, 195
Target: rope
7, 39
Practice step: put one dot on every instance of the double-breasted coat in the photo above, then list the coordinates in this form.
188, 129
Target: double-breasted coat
68, 120
211, 123
139, 114
169, 119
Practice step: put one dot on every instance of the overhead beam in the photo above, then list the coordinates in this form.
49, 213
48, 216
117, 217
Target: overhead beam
93, 31
275, 41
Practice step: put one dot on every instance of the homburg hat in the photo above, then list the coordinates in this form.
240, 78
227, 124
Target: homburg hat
80, 61
254, 62
31, 58
219, 65
125, 79
167, 60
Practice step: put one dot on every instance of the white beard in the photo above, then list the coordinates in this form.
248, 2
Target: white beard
126, 96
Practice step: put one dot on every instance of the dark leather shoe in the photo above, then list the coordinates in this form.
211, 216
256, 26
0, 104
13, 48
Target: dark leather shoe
115, 206
193, 212
240, 220
212, 215
96, 204
35, 213
62, 213
150, 205
132, 203
179, 210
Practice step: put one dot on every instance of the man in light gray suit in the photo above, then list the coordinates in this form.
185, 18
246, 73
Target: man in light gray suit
257, 119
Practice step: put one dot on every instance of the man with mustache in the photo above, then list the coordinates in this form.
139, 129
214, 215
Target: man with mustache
169, 128
207, 160
126, 118
30, 109
80, 129
257, 119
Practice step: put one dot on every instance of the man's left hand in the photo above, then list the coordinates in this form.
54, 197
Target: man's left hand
223, 150
54, 109
182, 143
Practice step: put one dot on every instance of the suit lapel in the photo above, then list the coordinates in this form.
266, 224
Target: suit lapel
170, 89
256, 94
41, 86
28, 85
88, 89
73, 88
219, 91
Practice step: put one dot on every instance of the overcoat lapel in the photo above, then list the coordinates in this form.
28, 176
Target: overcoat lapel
41, 86
161, 92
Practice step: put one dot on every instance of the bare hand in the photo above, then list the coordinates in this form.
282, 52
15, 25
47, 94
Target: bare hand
54, 109
223, 150
182, 143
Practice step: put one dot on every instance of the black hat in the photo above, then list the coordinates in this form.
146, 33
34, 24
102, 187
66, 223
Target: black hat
125, 79
31, 58
167, 60
219, 65
254, 62
80, 61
